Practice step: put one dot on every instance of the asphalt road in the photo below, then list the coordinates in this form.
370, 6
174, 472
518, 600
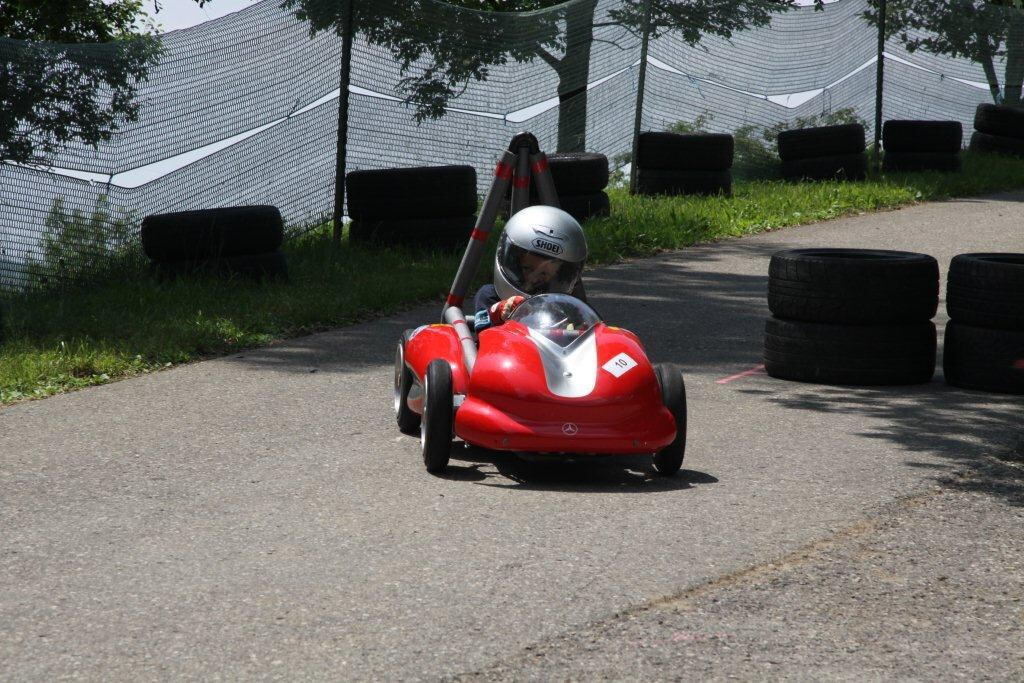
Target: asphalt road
259, 516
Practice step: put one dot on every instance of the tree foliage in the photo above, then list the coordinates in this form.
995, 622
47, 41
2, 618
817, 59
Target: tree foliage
981, 31
454, 47
52, 92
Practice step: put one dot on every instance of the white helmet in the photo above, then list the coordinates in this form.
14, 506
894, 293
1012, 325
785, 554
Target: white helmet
542, 250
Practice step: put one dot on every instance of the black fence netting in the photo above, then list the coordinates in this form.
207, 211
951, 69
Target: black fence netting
244, 109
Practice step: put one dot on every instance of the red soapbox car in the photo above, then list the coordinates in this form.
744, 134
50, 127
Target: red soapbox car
554, 379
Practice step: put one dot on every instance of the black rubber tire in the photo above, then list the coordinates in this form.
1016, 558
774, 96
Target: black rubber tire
845, 167
408, 420
825, 141
986, 290
668, 460
411, 193
685, 152
922, 137
259, 267
985, 359
440, 233
212, 233
850, 354
583, 207
997, 144
438, 416
576, 173
921, 161
853, 286
1000, 120
673, 183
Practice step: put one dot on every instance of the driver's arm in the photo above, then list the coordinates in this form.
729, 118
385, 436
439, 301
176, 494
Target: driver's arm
497, 313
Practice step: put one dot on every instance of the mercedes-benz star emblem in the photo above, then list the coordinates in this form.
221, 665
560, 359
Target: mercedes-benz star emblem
570, 429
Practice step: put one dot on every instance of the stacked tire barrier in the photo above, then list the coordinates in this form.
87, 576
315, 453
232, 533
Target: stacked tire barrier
998, 129
852, 316
433, 206
922, 145
580, 180
232, 241
984, 346
676, 164
824, 153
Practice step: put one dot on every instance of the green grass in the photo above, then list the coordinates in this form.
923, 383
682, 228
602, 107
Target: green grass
57, 341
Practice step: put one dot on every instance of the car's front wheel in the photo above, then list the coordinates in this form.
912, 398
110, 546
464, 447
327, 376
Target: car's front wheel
669, 459
438, 416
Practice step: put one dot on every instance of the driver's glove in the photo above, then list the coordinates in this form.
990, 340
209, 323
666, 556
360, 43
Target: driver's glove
501, 311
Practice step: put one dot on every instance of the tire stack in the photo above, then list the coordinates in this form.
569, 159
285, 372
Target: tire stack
998, 129
232, 241
580, 180
824, 153
984, 346
851, 316
432, 206
922, 145
676, 164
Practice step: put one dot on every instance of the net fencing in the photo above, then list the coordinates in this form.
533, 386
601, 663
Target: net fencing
244, 109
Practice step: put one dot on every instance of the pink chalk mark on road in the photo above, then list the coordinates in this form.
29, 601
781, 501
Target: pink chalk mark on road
756, 370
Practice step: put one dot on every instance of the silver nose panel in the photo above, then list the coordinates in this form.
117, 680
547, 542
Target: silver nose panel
570, 372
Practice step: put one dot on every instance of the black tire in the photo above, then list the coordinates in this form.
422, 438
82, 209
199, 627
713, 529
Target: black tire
408, 420
212, 233
845, 167
986, 290
259, 267
438, 416
922, 137
668, 460
583, 207
825, 141
985, 359
411, 193
440, 233
850, 354
997, 144
853, 286
1000, 119
691, 152
673, 183
577, 173
921, 161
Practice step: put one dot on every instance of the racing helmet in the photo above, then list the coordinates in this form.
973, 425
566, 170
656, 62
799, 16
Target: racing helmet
542, 250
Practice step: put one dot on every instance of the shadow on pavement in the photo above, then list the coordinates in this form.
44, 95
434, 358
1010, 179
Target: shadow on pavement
980, 435
593, 474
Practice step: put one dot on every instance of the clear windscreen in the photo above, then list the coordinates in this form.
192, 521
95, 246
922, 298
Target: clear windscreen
558, 317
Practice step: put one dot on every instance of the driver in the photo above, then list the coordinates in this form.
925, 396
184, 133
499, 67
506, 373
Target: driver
542, 250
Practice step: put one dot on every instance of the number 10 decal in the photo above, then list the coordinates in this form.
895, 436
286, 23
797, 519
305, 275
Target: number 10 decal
619, 365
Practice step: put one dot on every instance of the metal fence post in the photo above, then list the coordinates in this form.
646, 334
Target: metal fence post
641, 83
347, 32
880, 81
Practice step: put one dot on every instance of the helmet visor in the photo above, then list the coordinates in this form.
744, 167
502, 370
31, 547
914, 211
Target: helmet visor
535, 273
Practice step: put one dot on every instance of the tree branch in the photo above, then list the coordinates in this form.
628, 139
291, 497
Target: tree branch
551, 60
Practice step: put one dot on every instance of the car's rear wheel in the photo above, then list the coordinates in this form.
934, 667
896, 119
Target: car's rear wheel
408, 420
438, 414
668, 460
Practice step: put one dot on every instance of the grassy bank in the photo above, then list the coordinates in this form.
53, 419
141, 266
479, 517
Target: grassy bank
58, 341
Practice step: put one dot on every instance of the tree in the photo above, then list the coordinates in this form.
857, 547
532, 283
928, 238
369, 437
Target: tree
454, 59
53, 93
980, 31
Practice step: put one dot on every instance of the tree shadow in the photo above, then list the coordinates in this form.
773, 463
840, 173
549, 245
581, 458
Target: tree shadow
979, 435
